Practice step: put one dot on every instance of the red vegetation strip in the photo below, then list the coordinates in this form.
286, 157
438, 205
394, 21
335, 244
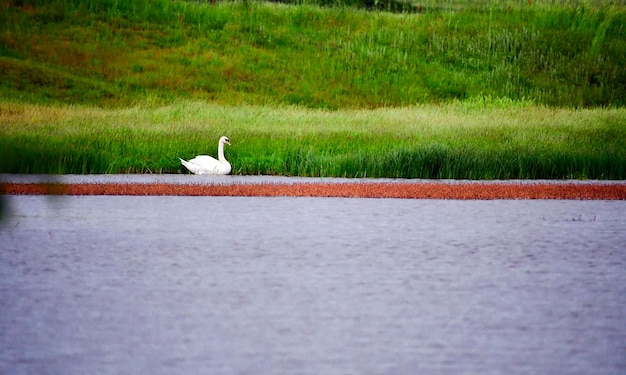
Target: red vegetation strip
354, 190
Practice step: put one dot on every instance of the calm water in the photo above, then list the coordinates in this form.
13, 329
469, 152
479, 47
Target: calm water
186, 285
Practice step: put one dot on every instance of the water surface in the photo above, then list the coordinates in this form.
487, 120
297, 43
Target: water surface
227, 285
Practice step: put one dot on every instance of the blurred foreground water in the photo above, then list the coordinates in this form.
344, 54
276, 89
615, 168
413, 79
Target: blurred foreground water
219, 285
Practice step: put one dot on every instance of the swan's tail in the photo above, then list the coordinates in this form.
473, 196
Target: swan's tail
192, 168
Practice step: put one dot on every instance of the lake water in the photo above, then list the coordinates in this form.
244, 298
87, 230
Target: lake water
226, 285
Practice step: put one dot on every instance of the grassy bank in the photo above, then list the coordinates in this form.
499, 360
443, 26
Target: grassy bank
115, 53
453, 89
480, 139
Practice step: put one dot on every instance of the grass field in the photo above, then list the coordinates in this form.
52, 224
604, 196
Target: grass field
469, 140
111, 53
454, 89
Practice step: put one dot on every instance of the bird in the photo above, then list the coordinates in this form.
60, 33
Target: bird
204, 164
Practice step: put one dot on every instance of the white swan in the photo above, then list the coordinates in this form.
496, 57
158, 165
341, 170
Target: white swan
204, 164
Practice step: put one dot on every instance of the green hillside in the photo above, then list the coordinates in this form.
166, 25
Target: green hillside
119, 52
472, 89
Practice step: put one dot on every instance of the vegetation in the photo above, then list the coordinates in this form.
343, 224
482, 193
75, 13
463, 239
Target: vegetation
444, 89
117, 52
481, 139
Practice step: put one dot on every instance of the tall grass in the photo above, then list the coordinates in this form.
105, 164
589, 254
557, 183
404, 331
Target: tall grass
451, 89
478, 139
115, 53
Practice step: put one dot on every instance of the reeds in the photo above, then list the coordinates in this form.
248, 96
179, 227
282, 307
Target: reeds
460, 89
459, 140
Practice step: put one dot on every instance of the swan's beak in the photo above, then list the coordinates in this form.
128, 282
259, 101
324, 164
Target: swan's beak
227, 142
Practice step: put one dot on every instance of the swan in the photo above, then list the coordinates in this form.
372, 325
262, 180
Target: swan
204, 164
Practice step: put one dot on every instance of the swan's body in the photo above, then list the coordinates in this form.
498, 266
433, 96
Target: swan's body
204, 164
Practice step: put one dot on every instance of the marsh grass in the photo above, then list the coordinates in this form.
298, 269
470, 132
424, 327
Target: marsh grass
458, 140
461, 89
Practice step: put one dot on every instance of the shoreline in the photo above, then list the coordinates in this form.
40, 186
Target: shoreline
430, 189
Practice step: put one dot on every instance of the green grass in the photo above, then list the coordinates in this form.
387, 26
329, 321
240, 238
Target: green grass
479, 139
115, 53
451, 89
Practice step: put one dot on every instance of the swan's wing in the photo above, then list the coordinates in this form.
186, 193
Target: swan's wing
204, 164
204, 161
193, 168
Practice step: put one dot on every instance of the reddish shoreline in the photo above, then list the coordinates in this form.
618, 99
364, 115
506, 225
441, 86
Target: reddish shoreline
429, 190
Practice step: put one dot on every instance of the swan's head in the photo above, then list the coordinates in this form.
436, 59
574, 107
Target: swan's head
225, 140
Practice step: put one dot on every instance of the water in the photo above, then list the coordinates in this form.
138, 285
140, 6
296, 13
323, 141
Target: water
218, 285
237, 179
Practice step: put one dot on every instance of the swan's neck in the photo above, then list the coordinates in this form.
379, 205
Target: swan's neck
220, 153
